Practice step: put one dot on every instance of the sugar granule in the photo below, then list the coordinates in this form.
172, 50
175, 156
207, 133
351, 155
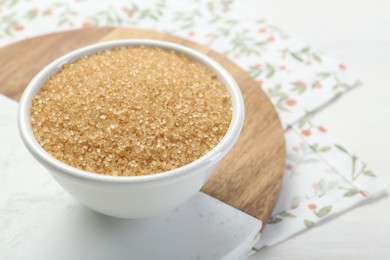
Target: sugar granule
131, 111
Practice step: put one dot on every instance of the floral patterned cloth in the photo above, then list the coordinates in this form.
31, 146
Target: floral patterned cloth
321, 177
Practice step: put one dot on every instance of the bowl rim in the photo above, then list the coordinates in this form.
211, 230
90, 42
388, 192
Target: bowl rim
215, 154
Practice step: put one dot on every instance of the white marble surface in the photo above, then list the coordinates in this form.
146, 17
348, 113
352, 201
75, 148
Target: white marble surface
38, 220
356, 32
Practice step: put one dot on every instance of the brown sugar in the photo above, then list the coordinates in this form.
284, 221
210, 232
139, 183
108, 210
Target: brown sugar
131, 111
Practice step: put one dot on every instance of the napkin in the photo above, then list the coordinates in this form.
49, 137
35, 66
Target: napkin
322, 178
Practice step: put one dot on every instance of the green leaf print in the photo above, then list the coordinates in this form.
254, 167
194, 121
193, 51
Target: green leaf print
324, 149
351, 192
323, 75
305, 55
31, 14
317, 149
341, 85
66, 14
10, 3
187, 20
316, 57
274, 220
358, 168
341, 148
276, 93
369, 173
109, 16
306, 49
271, 70
295, 202
308, 223
287, 215
306, 120
299, 87
296, 56
243, 45
324, 211
211, 6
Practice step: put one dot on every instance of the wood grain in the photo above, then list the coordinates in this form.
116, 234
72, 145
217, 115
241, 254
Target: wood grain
249, 177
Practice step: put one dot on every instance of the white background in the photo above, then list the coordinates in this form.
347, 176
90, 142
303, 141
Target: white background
357, 32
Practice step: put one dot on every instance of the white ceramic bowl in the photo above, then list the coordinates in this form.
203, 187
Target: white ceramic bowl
132, 196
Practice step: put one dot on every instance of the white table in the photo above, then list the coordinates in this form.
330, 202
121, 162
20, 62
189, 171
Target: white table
356, 32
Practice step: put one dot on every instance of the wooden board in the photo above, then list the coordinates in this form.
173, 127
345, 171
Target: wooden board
248, 179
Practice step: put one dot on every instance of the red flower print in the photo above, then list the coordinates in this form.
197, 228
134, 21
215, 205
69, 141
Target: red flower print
306, 132
308, 63
127, 11
316, 186
342, 66
271, 39
294, 206
262, 30
318, 85
291, 102
295, 148
322, 129
364, 193
312, 206
86, 25
19, 27
258, 66
48, 12
289, 167
191, 33
282, 67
